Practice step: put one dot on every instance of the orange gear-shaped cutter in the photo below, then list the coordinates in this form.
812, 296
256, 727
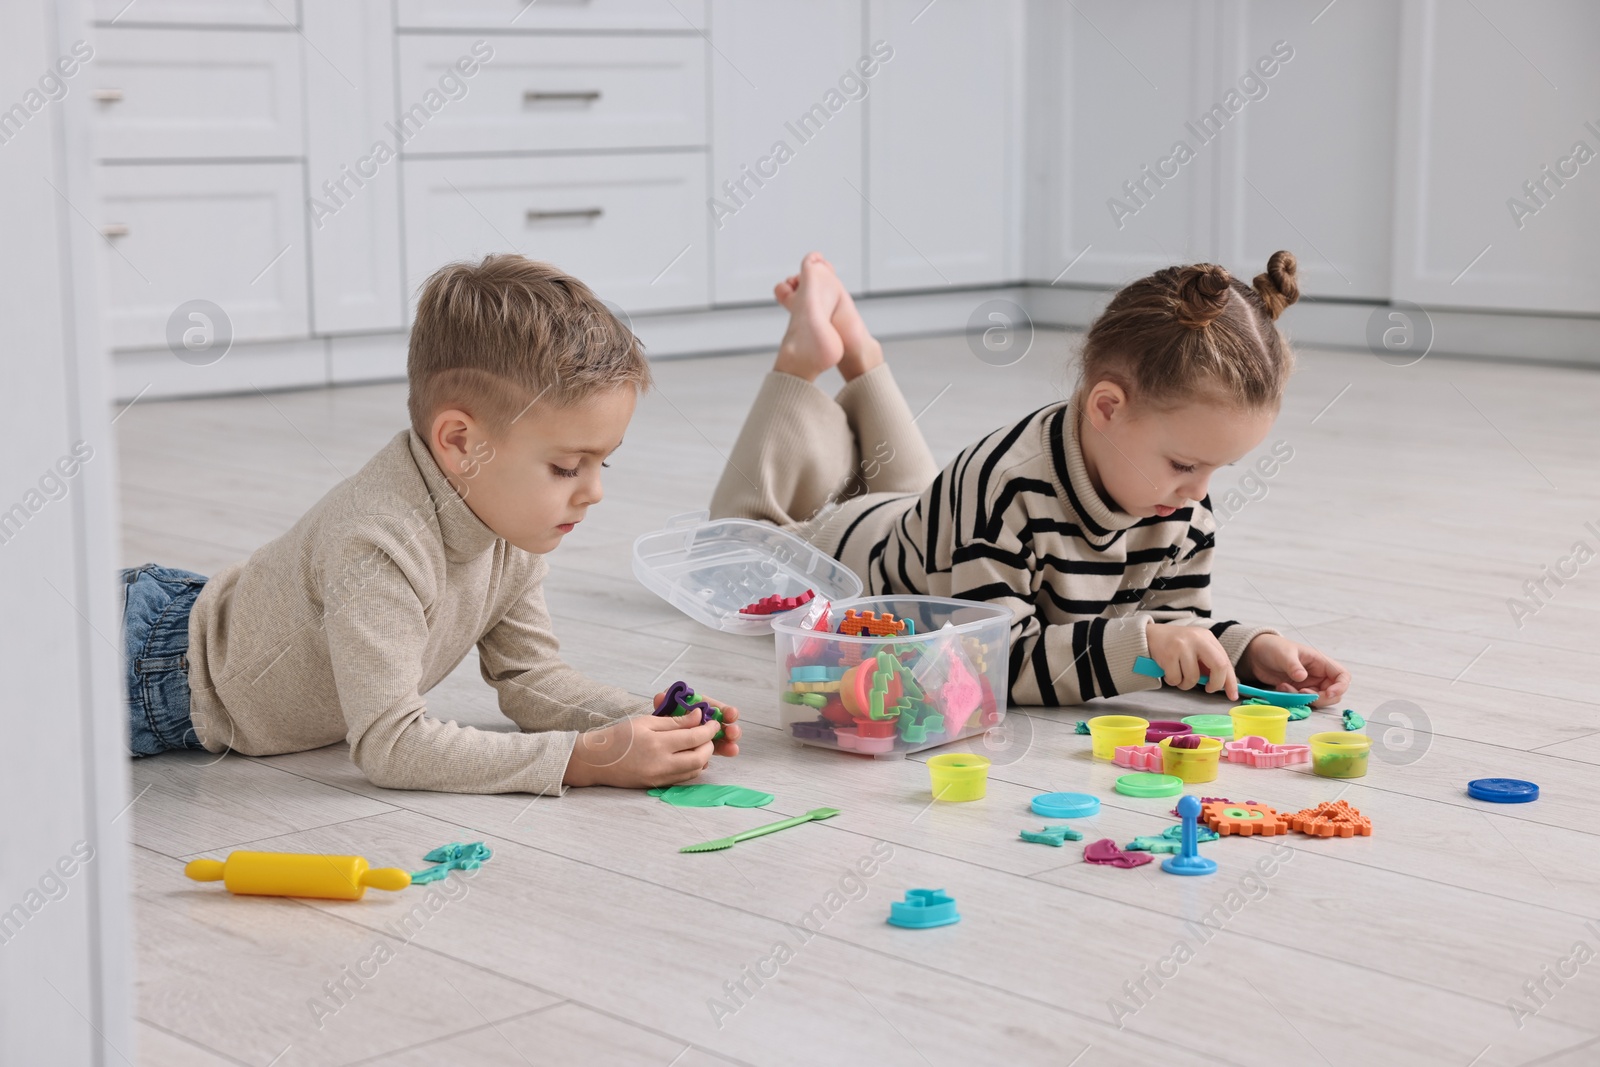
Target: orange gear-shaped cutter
856, 623
1332, 819
1243, 819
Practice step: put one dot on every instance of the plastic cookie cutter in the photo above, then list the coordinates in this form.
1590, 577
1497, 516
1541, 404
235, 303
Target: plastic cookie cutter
1335, 818
1151, 669
1256, 751
777, 605
856, 623
924, 908
679, 700
1139, 757
1245, 820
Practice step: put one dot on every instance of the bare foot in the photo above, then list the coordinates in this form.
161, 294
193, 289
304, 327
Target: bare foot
862, 351
811, 344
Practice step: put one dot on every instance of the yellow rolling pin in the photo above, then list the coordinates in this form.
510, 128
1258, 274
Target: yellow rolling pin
297, 874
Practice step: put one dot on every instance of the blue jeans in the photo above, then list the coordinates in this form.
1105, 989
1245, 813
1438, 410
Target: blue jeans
155, 639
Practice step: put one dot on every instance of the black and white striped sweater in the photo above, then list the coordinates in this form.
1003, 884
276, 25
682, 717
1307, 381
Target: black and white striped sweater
1014, 519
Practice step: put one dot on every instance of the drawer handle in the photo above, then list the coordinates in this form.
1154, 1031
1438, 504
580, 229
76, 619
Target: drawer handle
573, 213
115, 229
107, 96
531, 96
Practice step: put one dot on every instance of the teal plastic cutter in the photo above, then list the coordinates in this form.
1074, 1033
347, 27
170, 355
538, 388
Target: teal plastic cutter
1151, 669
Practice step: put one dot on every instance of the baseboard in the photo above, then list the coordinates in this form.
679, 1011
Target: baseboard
319, 361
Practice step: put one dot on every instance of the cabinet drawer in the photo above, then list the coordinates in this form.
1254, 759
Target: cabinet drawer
497, 15
230, 233
195, 13
633, 227
196, 94
553, 94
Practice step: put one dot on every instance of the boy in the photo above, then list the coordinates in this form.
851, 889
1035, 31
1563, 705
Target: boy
521, 383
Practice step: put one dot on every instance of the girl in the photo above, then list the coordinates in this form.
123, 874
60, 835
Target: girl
1089, 518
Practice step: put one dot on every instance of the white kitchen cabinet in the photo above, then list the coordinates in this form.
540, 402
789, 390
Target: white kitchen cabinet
196, 94
943, 191
568, 15
354, 207
786, 170
1498, 181
552, 93
1121, 85
631, 226
1307, 164
230, 233
269, 14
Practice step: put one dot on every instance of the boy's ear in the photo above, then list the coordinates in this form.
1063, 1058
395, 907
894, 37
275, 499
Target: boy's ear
1104, 401
453, 436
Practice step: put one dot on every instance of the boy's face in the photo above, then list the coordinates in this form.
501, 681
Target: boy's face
535, 481
1153, 462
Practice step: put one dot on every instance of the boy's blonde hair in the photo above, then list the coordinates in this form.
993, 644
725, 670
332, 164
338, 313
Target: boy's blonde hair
492, 338
1196, 333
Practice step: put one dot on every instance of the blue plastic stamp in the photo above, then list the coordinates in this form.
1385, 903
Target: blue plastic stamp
923, 908
1188, 860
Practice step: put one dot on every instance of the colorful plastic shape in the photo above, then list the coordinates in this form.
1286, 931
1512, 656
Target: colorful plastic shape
1334, 818
872, 690
1502, 790
958, 776
297, 874
1215, 800
1151, 669
815, 673
1256, 751
960, 695
1188, 860
452, 857
1052, 835
924, 908
820, 730
771, 827
849, 739
706, 795
1138, 757
1245, 820
1066, 805
1161, 729
776, 605
815, 700
857, 623
679, 700
914, 731
1149, 785
1353, 721
1105, 851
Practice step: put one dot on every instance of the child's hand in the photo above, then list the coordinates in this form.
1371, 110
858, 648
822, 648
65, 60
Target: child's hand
642, 752
1188, 653
1279, 663
729, 743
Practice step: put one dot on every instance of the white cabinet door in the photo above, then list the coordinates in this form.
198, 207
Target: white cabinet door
551, 93
356, 273
229, 233
632, 227
1307, 162
1498, 199
497, 15
1121, 84
196, 94
786, 178
943, 136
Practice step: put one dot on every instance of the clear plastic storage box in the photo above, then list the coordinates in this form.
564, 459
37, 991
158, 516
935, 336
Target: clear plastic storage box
885, 694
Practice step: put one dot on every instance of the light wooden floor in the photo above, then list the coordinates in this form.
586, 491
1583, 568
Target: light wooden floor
1417, 502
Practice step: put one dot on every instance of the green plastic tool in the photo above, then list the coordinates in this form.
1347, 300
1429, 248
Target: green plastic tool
728, 842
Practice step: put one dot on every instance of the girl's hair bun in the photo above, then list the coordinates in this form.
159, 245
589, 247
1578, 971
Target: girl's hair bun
1278, 286
1202, 294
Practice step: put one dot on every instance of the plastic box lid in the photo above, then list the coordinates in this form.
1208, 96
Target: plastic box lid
709, 569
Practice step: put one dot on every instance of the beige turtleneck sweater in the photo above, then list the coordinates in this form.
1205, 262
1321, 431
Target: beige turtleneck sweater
335, 630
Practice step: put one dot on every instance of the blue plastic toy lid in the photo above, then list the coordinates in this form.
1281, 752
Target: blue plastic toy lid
1502, 790
1066, 805
709, 569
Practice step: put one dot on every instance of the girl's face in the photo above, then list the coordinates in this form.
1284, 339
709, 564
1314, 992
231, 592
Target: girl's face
1147, 461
